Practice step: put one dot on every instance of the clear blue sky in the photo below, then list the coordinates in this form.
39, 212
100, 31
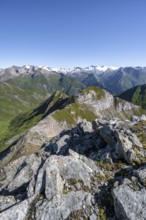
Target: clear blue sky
67, 33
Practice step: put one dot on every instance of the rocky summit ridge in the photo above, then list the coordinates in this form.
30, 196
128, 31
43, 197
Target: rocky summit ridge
61, 112
75, 158
92, 171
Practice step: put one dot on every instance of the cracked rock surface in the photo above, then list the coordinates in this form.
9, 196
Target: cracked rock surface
93, 171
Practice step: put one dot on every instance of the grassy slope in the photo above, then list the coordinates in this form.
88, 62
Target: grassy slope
23, 93
77, 110
100, 93
136, 95
23, 121
64, 108
43, 84
71, 113
14, 100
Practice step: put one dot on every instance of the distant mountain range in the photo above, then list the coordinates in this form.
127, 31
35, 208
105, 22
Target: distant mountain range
113, 79
22, 88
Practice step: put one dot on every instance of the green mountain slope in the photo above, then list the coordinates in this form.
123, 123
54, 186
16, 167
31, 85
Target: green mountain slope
136, 95
43, 85
22, 93
14, 100
123, 79
25, 120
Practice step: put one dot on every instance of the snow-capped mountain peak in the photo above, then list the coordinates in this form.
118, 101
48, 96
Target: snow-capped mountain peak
105, 68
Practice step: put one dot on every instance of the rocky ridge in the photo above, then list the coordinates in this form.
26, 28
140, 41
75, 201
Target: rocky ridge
29, 131
92, 171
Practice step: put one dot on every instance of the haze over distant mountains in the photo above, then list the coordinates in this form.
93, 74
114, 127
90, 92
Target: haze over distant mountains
114, 79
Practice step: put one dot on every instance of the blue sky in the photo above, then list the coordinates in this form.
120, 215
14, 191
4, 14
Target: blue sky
67, 33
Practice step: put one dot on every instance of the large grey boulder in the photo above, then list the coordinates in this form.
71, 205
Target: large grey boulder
6, 202
127, 147
124, 148
60, 146
129, 201
61, 180
61, 206
55, 171
19, 211
123, 143
86, 126
19, 172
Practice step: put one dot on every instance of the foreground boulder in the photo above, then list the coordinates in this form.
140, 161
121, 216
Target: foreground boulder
130, 197
87, 172
53, 188
124, 144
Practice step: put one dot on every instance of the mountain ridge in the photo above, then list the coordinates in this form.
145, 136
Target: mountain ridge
66, 111
114, 79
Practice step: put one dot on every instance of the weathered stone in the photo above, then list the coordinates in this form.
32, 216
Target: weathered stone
93, 217
19, 211
60, 207
103, 122
74, 165
124, 148
135, 118
86, 126
6, 202
20, 172
95, 125
113, 121
129, 204
53, 183
135, 141
141, 174
143, 118
59, 147
107, 134
90, 163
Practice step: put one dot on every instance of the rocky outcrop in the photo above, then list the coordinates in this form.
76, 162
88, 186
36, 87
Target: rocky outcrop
58, 113
130, 196
136, 119
56, 181
87, 172
100, 100
31, 141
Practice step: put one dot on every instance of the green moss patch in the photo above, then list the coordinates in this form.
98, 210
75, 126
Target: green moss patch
71, 113
99, 93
